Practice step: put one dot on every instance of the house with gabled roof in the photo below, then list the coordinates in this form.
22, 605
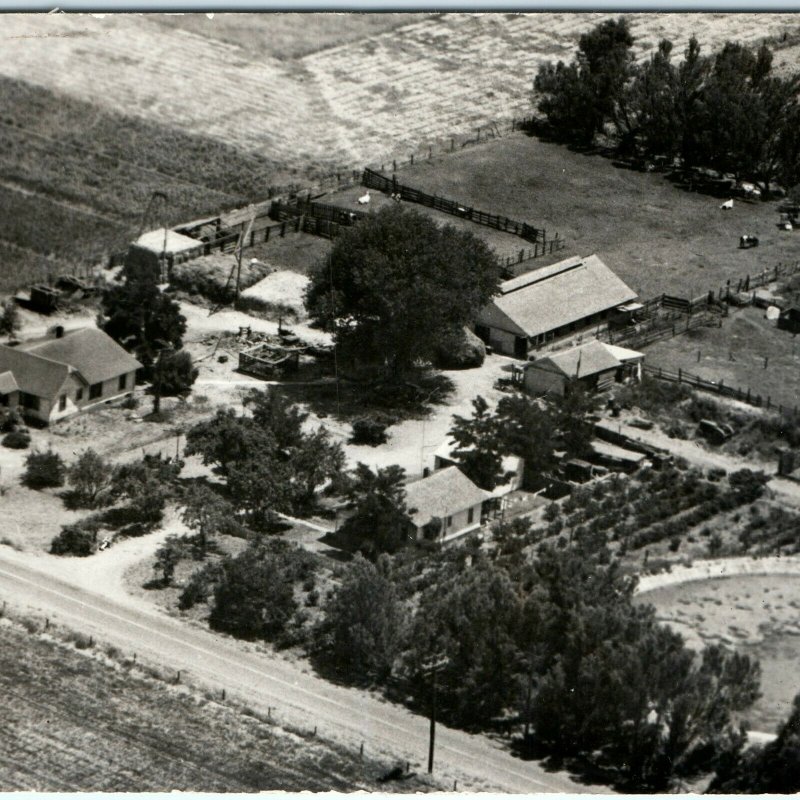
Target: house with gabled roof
55, 377
550, 303
449, 497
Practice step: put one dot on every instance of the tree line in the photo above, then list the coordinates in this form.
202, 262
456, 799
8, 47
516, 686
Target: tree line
728, 111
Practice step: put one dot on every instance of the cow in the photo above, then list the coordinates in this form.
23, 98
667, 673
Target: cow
727, 205
748, 240
364, 199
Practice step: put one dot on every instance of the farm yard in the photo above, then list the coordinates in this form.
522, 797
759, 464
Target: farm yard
75, 719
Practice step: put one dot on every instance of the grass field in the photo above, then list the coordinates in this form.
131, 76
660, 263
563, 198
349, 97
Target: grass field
657, 236
72, 722
755, 614
735, 354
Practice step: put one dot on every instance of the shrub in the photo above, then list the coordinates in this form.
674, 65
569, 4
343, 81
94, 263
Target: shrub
78, 539
552, 512
674, 544
10, 420
44, 470
17, 440
369, 430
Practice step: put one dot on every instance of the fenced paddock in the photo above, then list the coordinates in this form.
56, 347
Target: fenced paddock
374, 180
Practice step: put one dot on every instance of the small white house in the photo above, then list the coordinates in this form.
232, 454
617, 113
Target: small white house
448, 496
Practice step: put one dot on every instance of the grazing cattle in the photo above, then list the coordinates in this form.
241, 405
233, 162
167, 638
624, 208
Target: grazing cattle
364, 199
727, 205
748, 240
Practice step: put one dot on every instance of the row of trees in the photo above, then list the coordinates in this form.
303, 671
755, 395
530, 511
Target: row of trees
556, 645
728, 111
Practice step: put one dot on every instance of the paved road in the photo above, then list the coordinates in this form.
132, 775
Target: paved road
297, 697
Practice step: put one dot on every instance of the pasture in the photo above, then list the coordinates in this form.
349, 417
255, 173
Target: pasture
99, 111
658, 236
76, 721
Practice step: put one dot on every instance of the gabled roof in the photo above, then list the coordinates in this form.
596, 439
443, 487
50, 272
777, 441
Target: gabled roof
441, 494
89, 351
578, 362
623, 353
7, 383
548, 298
32, 373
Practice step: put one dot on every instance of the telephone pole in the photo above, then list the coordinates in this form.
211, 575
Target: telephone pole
431, 668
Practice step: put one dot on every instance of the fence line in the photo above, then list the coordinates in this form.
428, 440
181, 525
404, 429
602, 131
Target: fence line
374, 180
733, 392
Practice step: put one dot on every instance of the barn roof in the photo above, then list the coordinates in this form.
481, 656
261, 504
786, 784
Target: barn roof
90, 351
441, 494
7, 383
550, 297
579, 362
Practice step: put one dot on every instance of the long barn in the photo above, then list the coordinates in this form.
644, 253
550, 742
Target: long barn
550, 303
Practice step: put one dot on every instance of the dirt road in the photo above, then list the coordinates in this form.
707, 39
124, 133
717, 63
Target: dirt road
295, 696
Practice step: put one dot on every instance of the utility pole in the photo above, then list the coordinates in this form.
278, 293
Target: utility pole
431, 668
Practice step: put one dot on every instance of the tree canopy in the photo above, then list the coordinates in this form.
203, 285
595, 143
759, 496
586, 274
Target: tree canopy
397, 285
728, 111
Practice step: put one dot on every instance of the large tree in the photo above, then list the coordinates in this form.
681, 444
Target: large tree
380, 521
479, 445
579, 98
143, 319
362, 631
397, 285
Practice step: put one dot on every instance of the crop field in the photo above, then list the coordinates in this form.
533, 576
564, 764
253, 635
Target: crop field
75, 723
383, 91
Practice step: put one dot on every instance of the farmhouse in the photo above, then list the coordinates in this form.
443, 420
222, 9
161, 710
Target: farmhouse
549, 303
595, 365
448, 496
53, 378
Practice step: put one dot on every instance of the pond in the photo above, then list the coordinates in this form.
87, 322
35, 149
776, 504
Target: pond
755, 614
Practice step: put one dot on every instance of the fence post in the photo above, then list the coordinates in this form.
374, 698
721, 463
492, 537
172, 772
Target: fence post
680, 374
452, 145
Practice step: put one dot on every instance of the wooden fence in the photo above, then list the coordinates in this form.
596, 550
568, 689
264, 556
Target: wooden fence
374, 180
733, 392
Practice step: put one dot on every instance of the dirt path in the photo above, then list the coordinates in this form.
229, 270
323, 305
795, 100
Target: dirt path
293, 694
722, 568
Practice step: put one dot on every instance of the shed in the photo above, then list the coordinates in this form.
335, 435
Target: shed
551, 302
789, 319
162, 248
594, 364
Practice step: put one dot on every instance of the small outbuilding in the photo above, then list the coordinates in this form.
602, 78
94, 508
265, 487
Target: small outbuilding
789, 319
595, 365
